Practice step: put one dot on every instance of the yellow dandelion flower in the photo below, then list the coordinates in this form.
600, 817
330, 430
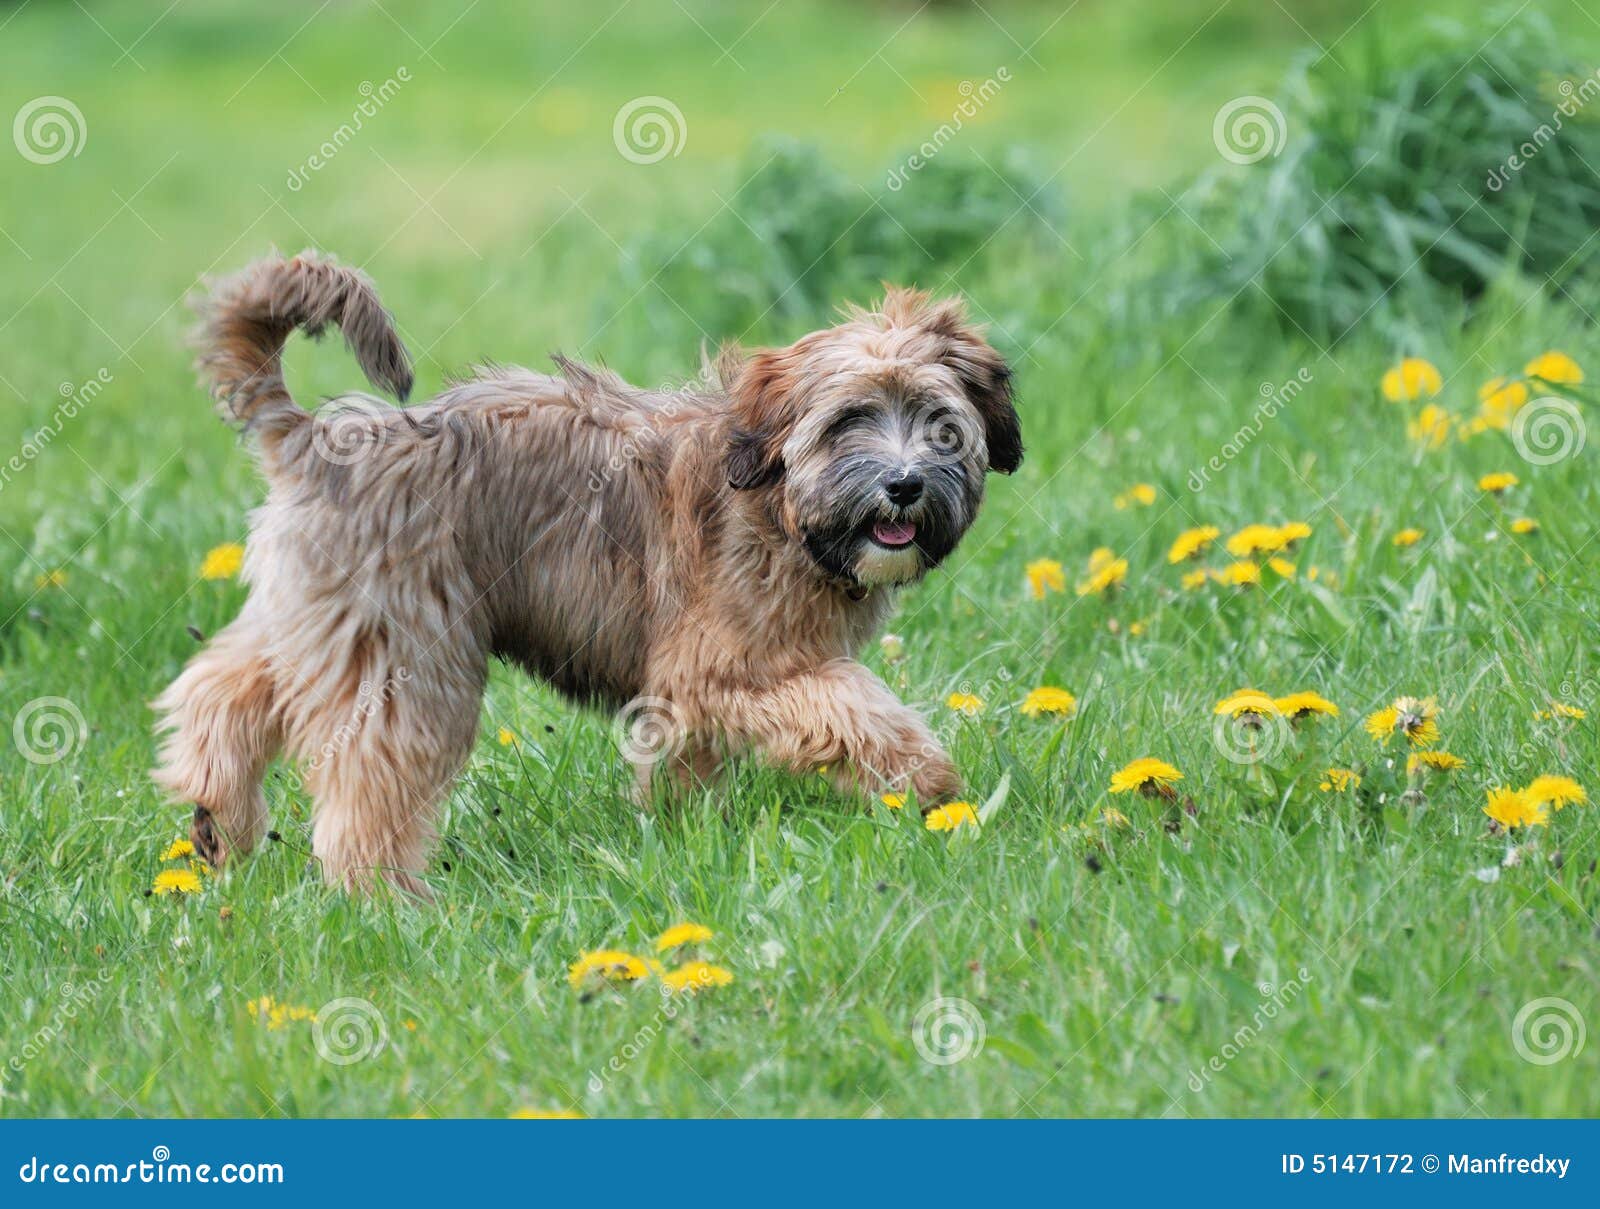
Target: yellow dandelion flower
1292, 532
1238, 575
1105, 573
546, 1114
1497, 482
1192, 543
1380, 724
1434, 761
1430, 427
1554, 367
1194, 579
1147, 775
1559, 792
1410, 380
1303, 705
1416, 718
178, 850
965, 703
1256, 539
1045, 575
1407, 537
1142, 494
176, 881
1512, 808
1502, 398
222, 562
1048, 700
1560, 709
1245, 701
894, 801
609, 964
695, 976
682, 934
1282, 567
1340, 780
1136, 628
506, 736
950, 816
1524, 525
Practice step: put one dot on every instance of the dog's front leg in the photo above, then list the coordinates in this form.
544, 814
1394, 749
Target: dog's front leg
840, 713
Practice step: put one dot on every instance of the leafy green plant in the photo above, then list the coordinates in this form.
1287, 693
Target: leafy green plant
1397, 182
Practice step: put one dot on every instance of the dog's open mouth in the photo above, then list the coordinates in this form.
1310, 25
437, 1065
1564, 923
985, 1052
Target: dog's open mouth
894, 534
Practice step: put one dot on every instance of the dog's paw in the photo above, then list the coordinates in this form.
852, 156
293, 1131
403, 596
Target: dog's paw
207, 839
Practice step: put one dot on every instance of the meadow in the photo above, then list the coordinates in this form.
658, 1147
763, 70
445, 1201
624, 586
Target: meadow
1287, 358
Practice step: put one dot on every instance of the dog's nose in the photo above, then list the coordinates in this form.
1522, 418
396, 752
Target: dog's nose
904, 488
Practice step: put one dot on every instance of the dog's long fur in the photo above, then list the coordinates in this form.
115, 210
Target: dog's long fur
711, 553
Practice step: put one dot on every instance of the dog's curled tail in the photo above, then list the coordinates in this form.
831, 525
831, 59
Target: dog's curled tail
246, 319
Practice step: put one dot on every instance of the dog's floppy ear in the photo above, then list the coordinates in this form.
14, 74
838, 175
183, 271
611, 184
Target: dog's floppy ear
759, 389
984, 375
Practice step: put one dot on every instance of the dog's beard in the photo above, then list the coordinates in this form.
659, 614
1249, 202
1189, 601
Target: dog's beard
854, 533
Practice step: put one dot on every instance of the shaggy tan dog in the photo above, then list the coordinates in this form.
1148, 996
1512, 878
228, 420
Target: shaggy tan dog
708, 562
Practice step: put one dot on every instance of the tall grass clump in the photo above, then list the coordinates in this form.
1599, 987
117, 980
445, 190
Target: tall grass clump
1396, 179
798, 236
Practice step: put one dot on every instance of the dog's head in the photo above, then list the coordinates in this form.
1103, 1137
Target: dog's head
875, 436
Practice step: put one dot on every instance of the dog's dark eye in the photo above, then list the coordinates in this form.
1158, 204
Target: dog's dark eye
847, 419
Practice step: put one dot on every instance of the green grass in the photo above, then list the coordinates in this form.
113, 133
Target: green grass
1109, 966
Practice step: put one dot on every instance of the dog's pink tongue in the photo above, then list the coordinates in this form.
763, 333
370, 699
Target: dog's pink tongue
893, 533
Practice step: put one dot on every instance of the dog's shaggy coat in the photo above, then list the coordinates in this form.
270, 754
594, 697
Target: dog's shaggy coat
708, 562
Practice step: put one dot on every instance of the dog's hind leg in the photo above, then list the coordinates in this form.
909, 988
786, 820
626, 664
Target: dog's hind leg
222, 729
381, 754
